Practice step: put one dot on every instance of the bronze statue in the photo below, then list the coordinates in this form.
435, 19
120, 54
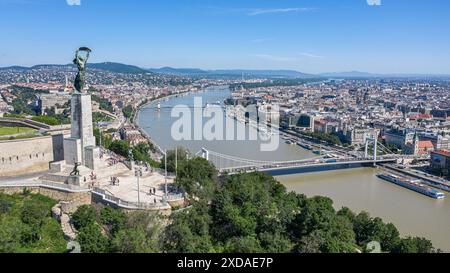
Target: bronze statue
75, 171
81, 62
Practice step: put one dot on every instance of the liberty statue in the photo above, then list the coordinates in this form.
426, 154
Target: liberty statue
81, 62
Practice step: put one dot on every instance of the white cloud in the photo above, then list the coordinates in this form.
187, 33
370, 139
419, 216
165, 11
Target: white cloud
274, 58
310, 55
374, 2
277, 10
73, 2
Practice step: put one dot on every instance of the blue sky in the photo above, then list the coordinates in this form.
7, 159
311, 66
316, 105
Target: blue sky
398, 36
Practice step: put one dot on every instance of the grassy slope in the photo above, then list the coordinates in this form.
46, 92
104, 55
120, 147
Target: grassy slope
5, 131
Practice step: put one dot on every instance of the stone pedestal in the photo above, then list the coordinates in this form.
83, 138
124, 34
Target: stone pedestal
74, 180
92, 157
57, 167
73, 151
80, 147
82, 127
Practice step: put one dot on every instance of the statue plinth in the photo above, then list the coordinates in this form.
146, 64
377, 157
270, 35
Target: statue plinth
74, 180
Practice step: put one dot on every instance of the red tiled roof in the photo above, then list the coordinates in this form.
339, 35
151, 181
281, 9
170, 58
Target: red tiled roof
420, 116
442, 152
426, 144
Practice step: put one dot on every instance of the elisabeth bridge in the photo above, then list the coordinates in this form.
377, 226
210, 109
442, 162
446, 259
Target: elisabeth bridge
374, 154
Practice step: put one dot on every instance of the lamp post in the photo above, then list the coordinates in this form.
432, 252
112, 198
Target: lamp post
138, 174
165, 177
176, 161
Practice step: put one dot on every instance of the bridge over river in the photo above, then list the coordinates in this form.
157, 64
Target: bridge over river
232, 164
375, 153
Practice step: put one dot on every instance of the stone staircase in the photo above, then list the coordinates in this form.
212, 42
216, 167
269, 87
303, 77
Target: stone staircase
63, 218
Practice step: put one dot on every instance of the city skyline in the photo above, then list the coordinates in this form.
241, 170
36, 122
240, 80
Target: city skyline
309, 36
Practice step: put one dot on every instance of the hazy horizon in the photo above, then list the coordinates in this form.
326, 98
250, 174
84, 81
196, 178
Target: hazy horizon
314, 37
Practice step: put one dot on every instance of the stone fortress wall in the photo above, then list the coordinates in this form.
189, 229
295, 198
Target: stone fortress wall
18, 157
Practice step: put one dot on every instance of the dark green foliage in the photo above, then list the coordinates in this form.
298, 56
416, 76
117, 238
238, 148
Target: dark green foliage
26, 225
128, 111
113, 219
197, 177
329, 138
5, 206
101, 117
181, 154
92, 240
120, 147
23, 103
348, 213
105, 104
247, 244
47, 120
50, 116
414, 245
101, 138
369, 229
141, 152
11, 229
188, 231
84, 216
139, 235
317, 214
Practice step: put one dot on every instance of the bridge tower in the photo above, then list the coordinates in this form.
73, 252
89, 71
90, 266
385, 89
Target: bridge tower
373, 141
205, 154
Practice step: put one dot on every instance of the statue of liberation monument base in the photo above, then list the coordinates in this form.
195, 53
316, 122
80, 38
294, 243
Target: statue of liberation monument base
80, 149
104, 175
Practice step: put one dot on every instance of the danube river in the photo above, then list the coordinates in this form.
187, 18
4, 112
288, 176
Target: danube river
358, 189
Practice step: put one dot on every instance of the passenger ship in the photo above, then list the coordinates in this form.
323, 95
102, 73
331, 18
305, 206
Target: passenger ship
414, 185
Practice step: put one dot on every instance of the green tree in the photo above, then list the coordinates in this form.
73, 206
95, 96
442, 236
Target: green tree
275, 242
84, 216
172, 156
254, 205
10, 234
188, 231
312, 243
348, 213
317, 214
113, 219
247, 244
414, 245
5, 206
139, 235
92, 240
120, 147
128, 111
47, 120
368, 229
197, 177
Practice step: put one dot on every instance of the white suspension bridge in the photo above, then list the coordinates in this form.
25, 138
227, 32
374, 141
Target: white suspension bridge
374, 153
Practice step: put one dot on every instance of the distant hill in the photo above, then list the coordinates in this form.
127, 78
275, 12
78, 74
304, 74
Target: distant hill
118, 68
231, 73
265, 73
225, 73
179, 71
107, 66
18, 68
